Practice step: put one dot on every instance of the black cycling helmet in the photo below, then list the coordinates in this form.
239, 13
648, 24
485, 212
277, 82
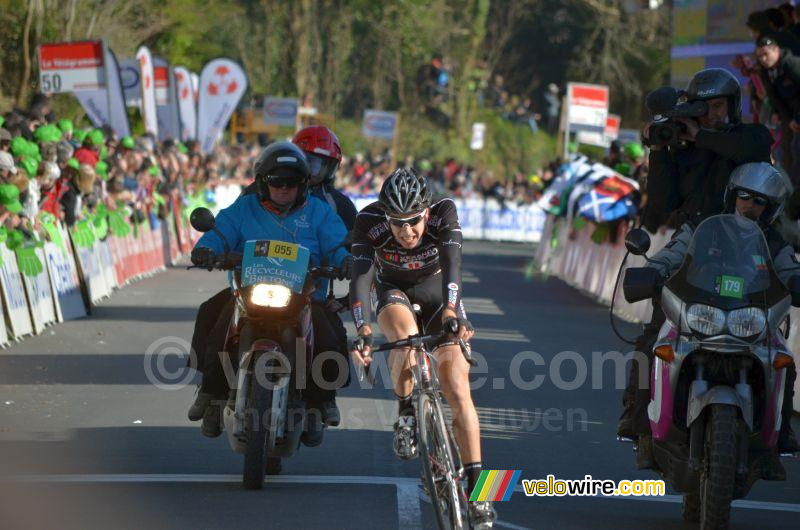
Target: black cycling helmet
281, 159
714, 83
404, 193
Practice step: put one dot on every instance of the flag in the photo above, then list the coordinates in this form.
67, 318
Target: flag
148, 90
222, 84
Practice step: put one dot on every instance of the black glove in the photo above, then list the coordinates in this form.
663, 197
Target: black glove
346, 268
453, 325
361, 342
203, 257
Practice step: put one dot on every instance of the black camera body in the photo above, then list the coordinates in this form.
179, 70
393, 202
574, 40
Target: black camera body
665, 104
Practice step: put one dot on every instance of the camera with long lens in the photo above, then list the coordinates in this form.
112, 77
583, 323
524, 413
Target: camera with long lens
665, 104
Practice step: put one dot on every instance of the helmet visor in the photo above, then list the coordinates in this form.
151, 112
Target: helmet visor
322, 168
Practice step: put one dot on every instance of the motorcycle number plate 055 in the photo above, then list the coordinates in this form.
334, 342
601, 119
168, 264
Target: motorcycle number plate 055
279, 249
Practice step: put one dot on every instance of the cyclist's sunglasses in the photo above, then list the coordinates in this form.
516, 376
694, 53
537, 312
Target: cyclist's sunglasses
746, 196
401, 222
282, 182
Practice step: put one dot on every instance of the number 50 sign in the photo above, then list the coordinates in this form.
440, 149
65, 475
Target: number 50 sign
71, 66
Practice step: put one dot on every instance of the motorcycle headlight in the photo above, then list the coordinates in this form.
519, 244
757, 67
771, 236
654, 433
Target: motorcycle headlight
705, 319
746, 322
270, 295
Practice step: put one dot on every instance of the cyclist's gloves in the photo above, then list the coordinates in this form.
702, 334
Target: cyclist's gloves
346, 269
453, 325
361, 342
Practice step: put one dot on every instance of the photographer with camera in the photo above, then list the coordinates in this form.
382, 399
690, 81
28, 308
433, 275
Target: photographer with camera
696, 139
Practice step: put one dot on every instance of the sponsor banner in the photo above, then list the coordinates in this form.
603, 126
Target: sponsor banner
186, 103
107, 265
280, 111
222, 84
478, 134
379, 124
106, 106
71, 66
92, 273
148, 90
605, 138
131, 75
167, 111
66, 286
587, 107
40, 296
14, 300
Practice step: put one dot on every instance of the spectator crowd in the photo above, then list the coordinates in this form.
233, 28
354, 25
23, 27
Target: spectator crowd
52, 170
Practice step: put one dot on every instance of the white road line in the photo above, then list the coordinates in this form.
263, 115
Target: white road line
334, 479
678, 499
497, 522
409, 514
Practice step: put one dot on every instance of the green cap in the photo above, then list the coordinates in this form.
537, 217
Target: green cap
15, 239
153, 171
182, 148
573, 147
65, 125
19, 146
9, 197
2, 121
634, 150
128, 143
48, 133
623, 168
96, 137
102, 170
30, 165
80, 135
73, 163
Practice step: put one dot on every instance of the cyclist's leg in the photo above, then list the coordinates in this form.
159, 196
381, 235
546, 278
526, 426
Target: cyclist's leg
396, 320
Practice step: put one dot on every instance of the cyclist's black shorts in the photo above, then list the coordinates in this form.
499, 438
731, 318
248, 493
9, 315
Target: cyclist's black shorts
427, 294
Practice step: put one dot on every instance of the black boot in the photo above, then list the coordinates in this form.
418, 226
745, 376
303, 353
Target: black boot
315, 429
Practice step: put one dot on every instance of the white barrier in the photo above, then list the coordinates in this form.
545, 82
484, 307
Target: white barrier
15, 302
572, 256
40, 296
66, 286
488, 219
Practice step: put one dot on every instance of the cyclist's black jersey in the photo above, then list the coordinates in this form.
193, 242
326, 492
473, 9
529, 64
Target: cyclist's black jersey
379, 257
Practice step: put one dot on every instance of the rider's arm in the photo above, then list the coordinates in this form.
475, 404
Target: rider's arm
668, 259
742, 143
331, 232
786, 265
450, 239
363, 275
228, 223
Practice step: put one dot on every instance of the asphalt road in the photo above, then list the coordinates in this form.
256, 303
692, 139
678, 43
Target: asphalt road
88, 441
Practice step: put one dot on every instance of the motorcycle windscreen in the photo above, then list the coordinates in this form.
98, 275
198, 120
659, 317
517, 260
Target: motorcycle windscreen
728, 265
276, 262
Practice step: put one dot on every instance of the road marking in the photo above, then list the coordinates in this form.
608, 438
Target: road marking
497, 522
502, 335
482, 306
409, 514
334, 479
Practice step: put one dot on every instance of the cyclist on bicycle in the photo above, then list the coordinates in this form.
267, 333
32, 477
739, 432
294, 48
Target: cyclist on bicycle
411, 250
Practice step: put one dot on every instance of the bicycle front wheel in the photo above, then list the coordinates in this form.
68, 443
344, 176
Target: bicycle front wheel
439, 464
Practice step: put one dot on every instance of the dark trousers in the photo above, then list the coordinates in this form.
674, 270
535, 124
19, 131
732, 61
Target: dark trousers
640, 397
333, 371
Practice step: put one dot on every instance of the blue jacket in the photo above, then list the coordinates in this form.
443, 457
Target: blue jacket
314, 225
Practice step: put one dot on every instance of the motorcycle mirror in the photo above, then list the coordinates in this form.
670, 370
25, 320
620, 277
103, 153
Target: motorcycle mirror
202, 220
637, 242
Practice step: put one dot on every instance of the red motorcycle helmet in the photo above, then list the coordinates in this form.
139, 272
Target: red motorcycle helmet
322, 150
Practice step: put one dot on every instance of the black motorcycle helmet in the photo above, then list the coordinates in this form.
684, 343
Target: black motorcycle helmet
404, 193
281, 159
714, 83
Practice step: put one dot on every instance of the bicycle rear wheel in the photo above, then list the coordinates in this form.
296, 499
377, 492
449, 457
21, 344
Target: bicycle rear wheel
440, 465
